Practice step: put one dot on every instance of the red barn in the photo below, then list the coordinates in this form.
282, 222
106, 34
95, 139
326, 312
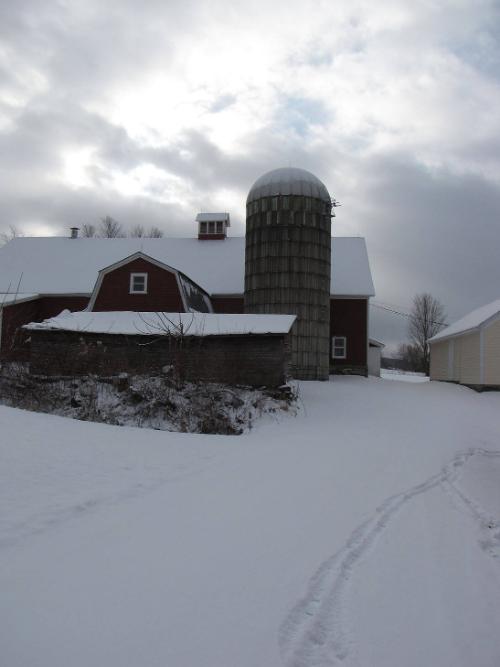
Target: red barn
288, 263
40, 277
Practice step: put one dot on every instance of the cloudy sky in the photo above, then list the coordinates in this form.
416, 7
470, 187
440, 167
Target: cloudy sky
152, 111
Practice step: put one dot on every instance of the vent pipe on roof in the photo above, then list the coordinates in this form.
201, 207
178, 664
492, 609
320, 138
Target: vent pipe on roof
74, 232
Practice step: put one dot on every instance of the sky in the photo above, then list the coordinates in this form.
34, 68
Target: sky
151, 112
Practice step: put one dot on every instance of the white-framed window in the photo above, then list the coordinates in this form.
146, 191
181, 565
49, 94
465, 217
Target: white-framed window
138, 283
212, 227
339, 347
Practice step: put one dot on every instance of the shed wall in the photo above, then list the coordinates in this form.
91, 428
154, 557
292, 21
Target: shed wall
492, 354
439, 361
14, 316
250, 360
467, 358
374, 356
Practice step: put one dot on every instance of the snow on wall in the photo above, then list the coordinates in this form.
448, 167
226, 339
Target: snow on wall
190, 324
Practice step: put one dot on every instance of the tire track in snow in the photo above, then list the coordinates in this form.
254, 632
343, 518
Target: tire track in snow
52, 517
314, 632
487, 525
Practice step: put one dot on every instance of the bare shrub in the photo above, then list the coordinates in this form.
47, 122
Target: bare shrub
159, 402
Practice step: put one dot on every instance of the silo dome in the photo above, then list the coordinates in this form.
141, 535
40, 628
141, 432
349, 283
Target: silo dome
287, 262
288, 181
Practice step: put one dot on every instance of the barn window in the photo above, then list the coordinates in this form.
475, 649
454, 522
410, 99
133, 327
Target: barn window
138, 283
339, 347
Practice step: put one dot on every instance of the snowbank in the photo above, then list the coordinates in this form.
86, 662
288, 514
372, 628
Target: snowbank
363, 532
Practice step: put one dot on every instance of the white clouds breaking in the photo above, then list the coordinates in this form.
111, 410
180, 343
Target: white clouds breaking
150, 112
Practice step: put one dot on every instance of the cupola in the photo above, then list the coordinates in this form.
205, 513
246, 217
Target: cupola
212, 226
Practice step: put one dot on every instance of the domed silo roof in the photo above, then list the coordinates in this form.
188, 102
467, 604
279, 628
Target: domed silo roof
288, 181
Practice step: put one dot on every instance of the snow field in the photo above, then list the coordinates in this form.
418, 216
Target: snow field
362, 532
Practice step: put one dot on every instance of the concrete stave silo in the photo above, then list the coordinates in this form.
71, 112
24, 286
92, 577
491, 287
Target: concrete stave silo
287, 262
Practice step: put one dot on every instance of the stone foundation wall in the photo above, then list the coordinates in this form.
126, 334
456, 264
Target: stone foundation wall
259, 360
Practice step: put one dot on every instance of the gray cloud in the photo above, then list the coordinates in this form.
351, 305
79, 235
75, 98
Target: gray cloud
394, 108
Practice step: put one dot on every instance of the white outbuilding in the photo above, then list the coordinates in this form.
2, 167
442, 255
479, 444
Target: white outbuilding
468, 351
375, 348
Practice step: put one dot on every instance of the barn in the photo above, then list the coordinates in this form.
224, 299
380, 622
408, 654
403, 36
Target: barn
287, 263
468, 351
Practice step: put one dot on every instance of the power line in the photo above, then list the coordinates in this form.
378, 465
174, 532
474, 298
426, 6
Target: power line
400, 313
390, 310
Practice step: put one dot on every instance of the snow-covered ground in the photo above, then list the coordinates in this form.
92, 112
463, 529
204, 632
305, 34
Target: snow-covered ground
363, 532
403, 376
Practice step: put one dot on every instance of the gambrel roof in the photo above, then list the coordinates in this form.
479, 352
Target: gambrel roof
55, 265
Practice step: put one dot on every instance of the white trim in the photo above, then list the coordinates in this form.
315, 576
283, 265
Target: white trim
133, 276
367, 331
334, 338
451, 358
178, 275
181, 291
481, 355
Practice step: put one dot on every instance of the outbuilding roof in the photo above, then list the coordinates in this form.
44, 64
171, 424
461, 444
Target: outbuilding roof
469, 322
157, 324
55, 265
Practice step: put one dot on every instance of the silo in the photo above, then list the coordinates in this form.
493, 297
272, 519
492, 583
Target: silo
287, 262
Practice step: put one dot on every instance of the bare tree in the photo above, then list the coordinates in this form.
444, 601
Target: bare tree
155, 233
12, 233
427, 318
110, 228
88, 231
138, 231
409, 358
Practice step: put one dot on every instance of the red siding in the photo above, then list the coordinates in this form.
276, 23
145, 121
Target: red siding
163, 290
14, 345
348, 317
229, 304
50, 306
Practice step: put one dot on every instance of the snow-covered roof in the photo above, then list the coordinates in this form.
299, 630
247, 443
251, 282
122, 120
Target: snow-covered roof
470, 322
55, 265
213, 217
288, 181
190, 324
8, 299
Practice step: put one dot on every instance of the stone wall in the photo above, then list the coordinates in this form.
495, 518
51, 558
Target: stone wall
258, 360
